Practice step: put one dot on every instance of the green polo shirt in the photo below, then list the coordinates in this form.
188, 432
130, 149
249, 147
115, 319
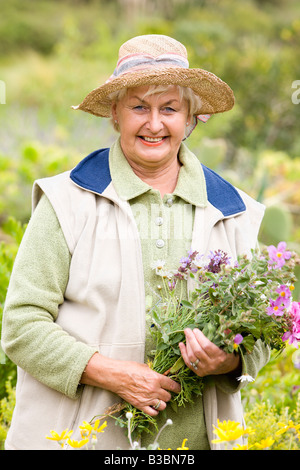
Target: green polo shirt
165, 226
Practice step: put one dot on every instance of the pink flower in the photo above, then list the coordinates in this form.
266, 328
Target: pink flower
295, 310
279, 255
284, 295
275, 308
293, 335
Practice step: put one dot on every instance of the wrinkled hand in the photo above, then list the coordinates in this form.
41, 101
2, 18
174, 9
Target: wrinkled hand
209, 359
135, 383
145, 388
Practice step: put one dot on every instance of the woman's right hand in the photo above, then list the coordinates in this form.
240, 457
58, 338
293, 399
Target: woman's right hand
135, 383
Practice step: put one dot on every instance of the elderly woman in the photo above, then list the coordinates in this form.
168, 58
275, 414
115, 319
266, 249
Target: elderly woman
75, 320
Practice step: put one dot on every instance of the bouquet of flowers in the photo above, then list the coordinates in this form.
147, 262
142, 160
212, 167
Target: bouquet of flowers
233, 304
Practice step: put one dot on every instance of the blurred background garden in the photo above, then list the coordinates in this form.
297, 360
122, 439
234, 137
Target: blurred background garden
53, 52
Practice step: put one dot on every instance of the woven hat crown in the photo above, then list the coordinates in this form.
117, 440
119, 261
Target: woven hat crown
152, 44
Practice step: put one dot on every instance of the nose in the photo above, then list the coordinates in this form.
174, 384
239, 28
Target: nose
154, 123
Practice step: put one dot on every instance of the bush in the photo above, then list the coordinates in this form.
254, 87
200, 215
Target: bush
8, 250
7, 405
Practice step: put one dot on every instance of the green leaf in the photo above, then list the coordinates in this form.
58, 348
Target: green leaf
178, 364
187, 304
178, 337
248, 343
162, 346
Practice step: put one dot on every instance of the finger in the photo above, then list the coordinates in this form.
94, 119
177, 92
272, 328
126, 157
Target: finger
159, 405
149, 410
209, 348
198, 371
193, 346
168, 384
184, 355
153, 410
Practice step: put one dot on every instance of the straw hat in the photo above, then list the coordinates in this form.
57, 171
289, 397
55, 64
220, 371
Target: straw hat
157, 60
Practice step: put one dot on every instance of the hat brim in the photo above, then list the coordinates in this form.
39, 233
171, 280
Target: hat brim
216, 96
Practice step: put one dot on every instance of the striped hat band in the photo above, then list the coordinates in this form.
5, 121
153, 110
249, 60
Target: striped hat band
140, 61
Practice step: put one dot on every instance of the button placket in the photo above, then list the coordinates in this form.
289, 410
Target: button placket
159, 221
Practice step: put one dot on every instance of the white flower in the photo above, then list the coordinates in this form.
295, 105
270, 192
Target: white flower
245, 378
158, 265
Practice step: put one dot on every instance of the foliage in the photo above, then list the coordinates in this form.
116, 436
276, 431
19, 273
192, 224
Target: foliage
224, 305
8, 250
7, 405
269, 422
251, 45
267, 430
18, 174
274, 398
277, 383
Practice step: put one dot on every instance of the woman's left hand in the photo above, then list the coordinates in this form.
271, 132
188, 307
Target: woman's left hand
204, 357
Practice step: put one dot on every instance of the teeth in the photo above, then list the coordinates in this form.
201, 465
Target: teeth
150, 139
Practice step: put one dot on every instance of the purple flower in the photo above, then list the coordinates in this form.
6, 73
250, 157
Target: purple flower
217, 258
172, 284
278, 255
238, 338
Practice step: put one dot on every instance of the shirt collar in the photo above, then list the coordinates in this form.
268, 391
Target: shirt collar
190, 186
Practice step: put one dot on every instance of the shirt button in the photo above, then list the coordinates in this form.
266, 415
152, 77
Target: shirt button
169, 201
159, 220
160, 243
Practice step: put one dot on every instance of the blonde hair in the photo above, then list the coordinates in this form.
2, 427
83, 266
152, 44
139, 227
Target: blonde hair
193, 100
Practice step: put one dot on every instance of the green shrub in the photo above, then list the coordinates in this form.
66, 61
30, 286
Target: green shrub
6, 410
267, 422
8, 250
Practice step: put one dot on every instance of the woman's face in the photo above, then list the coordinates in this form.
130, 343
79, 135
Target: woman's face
151, 127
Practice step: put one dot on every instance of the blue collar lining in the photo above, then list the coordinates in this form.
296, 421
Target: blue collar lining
222, 194
93, 174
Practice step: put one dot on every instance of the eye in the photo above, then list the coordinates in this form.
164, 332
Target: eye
139, 108
168, 109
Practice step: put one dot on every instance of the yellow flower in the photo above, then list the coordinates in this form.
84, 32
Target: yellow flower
87, 428
229, 431
241, 447
77, 444
150, 364
60, 438
265, 443
287, 427
183, 445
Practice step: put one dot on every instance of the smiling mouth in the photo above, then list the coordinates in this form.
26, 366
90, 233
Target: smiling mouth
152, 140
